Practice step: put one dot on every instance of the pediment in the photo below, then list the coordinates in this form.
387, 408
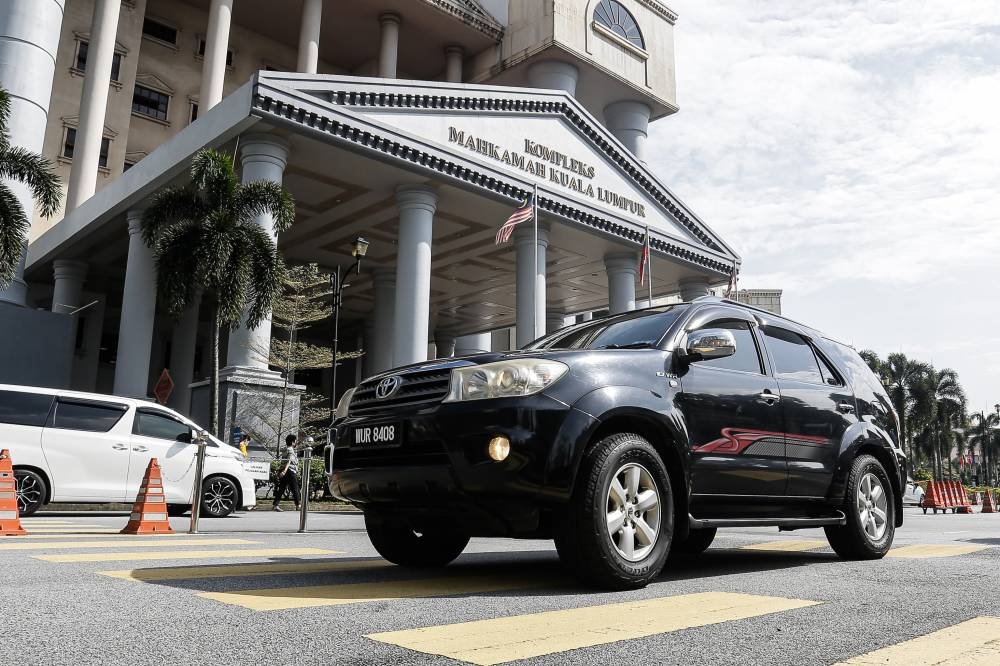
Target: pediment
154, 82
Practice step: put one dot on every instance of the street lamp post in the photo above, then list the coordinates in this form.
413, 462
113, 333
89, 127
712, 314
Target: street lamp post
358, 250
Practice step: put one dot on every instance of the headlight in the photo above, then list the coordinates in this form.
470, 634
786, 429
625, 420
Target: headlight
345, 402
504, 379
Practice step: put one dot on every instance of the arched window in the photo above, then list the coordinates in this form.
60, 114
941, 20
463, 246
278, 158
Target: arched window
613, 16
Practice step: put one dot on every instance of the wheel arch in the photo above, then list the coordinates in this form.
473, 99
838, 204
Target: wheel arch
862, 439
45, 477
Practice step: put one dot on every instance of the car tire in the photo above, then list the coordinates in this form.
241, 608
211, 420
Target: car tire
177, 510
866, 536
697, 542
400, 544
31, 491
219, 497
607, 540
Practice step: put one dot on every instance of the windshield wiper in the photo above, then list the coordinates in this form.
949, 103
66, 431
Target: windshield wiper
632, 345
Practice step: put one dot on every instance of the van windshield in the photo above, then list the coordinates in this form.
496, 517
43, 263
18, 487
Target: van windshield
639, 330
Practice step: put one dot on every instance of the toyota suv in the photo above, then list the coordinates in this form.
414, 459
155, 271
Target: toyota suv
625, 439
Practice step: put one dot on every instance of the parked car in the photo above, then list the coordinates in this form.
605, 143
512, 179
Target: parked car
69, 446
913, 494
626, 439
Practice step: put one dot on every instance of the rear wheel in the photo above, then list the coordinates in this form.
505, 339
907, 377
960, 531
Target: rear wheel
870, 511
31, 491
398, 542
219, 497
697, 542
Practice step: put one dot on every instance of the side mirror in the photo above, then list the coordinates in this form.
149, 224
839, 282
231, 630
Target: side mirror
709, 343
184, 438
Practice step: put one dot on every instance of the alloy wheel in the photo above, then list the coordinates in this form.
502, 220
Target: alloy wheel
219, 497
633, 512
29, 492
872, 506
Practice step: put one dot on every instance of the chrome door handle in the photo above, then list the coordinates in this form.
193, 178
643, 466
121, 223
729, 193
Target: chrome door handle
845, 408
120, 447
769, 398
140, 449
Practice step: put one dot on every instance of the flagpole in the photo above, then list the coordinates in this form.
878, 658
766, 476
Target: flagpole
534, 300
649, 268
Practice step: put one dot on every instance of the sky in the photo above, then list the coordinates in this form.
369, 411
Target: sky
849, 151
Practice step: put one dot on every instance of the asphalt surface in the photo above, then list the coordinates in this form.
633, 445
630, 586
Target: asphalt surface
68, 612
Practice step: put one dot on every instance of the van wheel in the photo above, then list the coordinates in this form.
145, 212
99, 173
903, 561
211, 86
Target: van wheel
620, 520
399, 543
218, 497
870, 511
697, 542
31, 491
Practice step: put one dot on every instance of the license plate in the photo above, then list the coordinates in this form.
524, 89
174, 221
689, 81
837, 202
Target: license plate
259, 470
385, 434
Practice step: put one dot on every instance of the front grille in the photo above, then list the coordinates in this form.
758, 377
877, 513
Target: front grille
415, 388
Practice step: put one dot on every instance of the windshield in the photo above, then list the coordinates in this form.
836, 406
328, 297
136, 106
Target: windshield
639, 330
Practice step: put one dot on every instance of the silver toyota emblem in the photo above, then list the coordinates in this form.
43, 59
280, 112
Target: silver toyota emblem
387, 387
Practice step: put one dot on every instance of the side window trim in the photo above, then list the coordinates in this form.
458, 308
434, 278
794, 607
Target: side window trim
154, 412
812, 347
823, 361
85, 402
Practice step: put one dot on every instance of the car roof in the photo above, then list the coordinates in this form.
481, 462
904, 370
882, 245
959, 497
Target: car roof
139, 402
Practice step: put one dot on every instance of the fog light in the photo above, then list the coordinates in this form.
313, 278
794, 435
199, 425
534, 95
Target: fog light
499, 448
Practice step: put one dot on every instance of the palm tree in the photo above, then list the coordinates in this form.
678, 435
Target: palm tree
205, 238
950, 398
903, 379
983, 434
37, 173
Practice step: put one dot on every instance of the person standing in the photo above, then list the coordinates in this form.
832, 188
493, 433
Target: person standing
288, 476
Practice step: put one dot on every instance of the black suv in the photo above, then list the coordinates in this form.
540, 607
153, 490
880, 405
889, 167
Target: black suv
626, 439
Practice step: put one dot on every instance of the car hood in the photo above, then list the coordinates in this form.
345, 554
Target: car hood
567, 355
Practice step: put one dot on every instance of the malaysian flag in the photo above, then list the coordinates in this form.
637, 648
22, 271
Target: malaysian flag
525, 212
644, 261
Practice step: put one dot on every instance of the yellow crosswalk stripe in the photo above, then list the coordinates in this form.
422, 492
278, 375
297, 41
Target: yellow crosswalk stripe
500, 640
131, 542
43, 526
95, 534
281, 598
240, 570
183, 554
975, 642
789, 545
923, 551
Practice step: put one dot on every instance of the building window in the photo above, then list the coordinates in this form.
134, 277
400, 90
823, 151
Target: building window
81, 61
201, 52
159, 31
194, 112
149, 102
613, 16
70, 143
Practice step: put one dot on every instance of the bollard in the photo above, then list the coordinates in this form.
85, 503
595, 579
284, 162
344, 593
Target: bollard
304, 482
199, 469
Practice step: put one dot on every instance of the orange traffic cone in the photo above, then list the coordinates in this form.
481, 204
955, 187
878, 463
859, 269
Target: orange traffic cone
989, 506
10, 517
965, 506
149, 512
932, 497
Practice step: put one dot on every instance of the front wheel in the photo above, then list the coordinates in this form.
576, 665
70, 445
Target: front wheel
620, 520
219, 497
399, 543
870, 511
697, 542
31, 491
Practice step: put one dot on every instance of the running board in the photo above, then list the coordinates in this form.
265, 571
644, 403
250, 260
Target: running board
782, 524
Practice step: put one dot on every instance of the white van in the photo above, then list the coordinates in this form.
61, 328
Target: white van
68, 446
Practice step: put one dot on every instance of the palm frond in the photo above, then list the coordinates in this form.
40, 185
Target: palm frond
258, 197
179, 277
14, 227
4, 119
267, 272
170, 206
37, 173
213, 174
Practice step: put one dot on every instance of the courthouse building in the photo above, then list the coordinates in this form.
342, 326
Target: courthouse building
418, 124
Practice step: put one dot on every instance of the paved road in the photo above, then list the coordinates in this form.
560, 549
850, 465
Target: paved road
250, 590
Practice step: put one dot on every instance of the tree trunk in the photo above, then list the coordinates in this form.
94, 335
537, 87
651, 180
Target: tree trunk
215, 374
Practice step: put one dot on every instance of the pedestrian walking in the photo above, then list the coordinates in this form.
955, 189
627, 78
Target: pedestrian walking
288, 476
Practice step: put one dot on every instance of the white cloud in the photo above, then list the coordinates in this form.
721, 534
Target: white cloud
850, 151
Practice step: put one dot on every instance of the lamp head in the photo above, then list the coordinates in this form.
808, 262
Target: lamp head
360, 247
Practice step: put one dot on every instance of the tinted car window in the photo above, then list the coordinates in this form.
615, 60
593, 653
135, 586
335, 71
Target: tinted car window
161, 426
89, 416
643, 329
746, 358
793, 357
30, 409
830, 375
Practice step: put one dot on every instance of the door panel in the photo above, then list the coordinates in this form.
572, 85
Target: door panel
155, 436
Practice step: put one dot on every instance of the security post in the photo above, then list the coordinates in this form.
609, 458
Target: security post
199, 469
307, 444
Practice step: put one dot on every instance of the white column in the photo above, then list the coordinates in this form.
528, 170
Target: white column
263, 157
213, 69
692, 288
312, 15
444, 344
183, 343
554, 320
135, 333
453, 57
86, 362
417, 204
388, 51
29, 37
554, 75
621, 268
93, 103
530, 288
68, 282
384, 281
629, 122
477, 343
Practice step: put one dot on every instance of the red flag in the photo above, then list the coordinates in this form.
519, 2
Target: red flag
523, 213
644, 261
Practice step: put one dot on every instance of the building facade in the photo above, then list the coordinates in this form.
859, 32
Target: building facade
419, 124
